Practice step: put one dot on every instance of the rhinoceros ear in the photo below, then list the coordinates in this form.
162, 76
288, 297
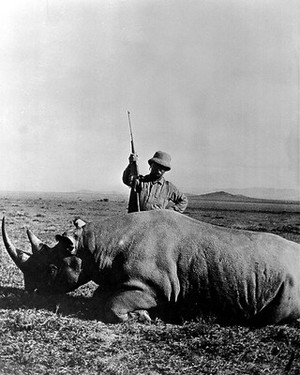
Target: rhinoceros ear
36, 244
67, 242
79, 223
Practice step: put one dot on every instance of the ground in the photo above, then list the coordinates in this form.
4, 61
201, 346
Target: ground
61, 335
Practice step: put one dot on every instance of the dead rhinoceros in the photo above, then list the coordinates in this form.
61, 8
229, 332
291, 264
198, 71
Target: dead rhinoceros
148, 259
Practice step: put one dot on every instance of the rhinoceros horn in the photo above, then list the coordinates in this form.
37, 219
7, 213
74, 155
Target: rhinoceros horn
18, 256
36, 244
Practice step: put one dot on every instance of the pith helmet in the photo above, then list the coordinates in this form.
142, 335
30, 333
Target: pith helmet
161, 158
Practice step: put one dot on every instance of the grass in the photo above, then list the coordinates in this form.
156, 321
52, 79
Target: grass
61, 334
45, 342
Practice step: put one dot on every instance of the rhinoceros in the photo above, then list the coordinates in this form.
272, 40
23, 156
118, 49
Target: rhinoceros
145, 260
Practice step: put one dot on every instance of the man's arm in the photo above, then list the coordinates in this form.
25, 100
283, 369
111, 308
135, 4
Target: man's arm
131, 179
129, 174
178, 199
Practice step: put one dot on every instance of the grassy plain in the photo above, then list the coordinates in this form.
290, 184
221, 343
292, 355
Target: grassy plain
60, 334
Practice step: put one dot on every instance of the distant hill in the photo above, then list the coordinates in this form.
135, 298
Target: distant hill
229, 197
253, 193
269, 193
224, 196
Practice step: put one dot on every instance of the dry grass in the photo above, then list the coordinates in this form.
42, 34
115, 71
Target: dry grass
61, 335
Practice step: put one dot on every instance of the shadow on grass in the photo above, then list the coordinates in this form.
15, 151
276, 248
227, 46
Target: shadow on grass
85, 307
81, 307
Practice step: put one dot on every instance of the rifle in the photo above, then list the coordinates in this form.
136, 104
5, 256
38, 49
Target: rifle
134, 198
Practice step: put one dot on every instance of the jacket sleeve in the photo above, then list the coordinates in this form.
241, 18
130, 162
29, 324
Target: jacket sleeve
128, 175
178, 199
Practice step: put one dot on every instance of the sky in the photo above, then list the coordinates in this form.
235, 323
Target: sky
214, 83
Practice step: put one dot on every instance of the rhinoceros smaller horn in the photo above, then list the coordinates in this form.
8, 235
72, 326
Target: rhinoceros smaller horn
36, 244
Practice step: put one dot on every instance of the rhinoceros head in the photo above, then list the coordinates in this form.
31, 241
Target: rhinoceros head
48, 270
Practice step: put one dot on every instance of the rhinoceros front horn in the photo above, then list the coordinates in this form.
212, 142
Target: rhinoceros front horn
19, 257
36, 244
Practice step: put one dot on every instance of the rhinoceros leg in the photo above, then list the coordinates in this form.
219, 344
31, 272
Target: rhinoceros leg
283, 308
120, 305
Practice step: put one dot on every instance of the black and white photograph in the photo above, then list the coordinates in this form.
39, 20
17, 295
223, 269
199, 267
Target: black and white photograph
150, 187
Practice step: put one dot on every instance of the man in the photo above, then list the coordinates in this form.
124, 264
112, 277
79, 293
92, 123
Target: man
152, 191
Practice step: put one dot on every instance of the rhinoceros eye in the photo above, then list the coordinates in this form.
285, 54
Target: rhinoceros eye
52, 269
